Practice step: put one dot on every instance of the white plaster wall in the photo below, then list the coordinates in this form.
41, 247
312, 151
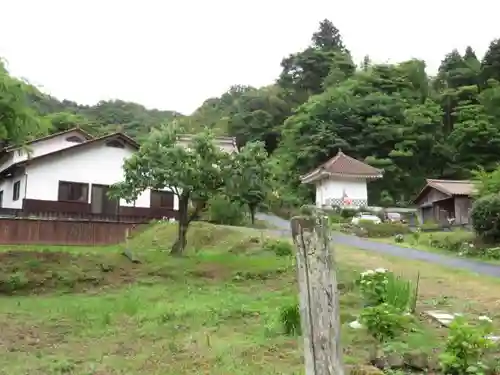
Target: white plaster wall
7, 186
331, 189
94, 164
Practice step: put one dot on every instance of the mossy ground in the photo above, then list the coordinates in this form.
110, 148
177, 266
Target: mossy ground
77, 310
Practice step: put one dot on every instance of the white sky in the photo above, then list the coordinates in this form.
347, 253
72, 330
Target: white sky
175, 54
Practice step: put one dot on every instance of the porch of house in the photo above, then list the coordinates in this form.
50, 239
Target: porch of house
440, 211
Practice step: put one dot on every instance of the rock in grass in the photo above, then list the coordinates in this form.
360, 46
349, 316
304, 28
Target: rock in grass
363, 370
130, 256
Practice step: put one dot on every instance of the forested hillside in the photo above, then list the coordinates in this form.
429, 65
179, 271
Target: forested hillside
396, 117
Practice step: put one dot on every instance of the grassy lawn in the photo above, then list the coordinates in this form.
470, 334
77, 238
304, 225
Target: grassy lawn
76, 310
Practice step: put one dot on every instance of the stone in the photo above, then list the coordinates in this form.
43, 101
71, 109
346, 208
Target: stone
355, 325
363, 370
421, 361
386, 361
442, 317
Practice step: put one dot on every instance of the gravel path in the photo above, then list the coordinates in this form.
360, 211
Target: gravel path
283, 226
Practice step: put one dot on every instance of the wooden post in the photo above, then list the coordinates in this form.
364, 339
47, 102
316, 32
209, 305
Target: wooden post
318, 294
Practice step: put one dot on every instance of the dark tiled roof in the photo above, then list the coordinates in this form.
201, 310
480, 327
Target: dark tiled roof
342, 164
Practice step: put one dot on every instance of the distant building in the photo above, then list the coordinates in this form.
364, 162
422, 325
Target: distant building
70, 172
342, 181
441, 200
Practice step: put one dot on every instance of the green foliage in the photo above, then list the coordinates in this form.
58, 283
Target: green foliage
466, 346
290, 319
383, 229
279, 247
456, 241
486, 183
486, 218
196, 172
380, 286
384, 322
18, 122
222, 211
348, 213
250, 177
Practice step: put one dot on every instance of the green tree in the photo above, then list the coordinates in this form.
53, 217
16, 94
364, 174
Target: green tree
328, 37
491, 62
18, 121
193, 173
303, 74
250, 182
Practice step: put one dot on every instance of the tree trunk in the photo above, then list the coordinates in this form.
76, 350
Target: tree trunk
180, 243
252, 213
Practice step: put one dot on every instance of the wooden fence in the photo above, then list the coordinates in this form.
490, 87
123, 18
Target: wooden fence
36, 231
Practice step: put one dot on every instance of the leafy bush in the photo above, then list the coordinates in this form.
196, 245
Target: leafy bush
384, 322
399, 238
466, 346
335, 219
456, 241
401, 293
383, 229
348, 213
486, 218
279, 247
380, 286
222, 211
429, 225
290, 319
372, 284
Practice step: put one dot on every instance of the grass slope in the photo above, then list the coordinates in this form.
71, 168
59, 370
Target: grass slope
91, 311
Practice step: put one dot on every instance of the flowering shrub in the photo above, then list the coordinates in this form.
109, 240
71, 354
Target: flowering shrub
373, 286
466, 346
384, 322
381, 286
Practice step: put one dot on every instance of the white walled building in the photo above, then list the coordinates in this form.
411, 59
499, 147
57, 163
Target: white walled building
342, 181
71, 172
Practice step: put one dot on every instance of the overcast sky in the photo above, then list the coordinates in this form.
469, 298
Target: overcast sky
174, 54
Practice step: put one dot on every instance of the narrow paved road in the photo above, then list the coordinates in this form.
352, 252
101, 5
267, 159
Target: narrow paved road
470, 265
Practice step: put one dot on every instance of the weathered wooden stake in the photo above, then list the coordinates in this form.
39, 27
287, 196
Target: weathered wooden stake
318, 293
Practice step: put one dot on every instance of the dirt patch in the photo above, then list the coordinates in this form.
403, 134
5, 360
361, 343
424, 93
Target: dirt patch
24, 338
32, 272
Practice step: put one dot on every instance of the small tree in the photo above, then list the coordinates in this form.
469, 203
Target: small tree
193, 173
486, 183
250, 178
486, 217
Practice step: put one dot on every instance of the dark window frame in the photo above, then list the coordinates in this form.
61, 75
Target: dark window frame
165, 199
115, 143
74, 139
1, 198
16, 190
84, 197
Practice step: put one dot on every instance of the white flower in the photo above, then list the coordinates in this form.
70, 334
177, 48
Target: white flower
484, 318
355, 325
367, 273
380, 270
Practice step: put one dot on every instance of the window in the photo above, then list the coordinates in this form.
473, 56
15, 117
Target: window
16, 192
73, 192
115, 143
163, 199
1, 198
74, 139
